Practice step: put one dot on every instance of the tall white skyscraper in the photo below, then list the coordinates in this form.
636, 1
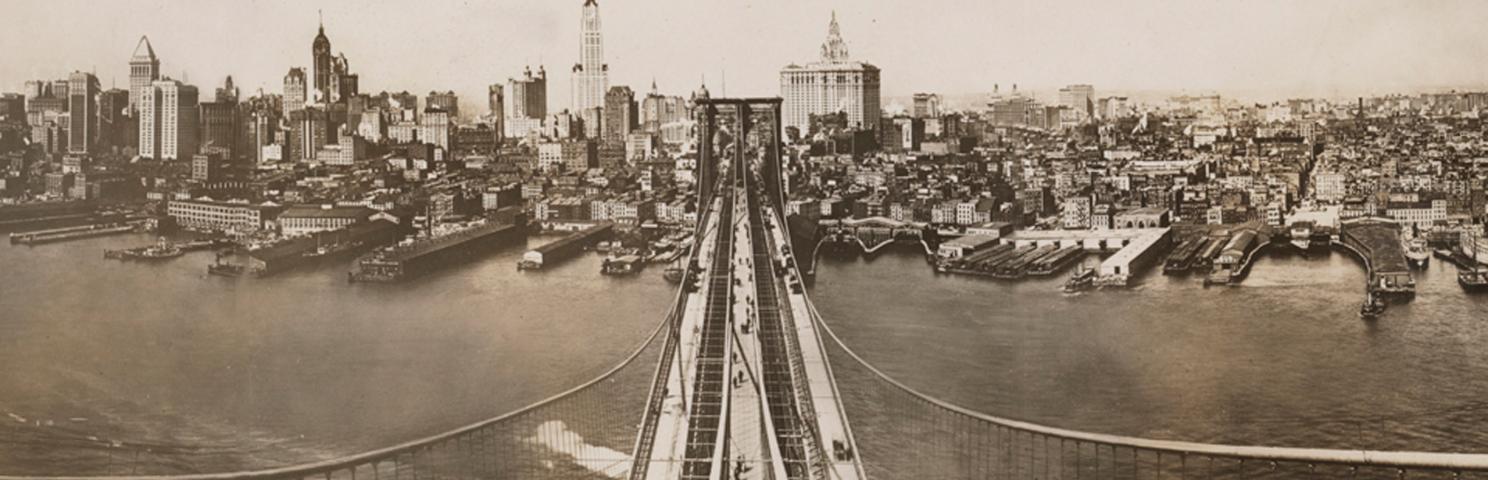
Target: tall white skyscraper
834, 84
144, 70
295, 91
591, 77
168, 121
1079, 99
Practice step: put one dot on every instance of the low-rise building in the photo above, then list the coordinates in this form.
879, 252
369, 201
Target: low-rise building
306, 219
212, 215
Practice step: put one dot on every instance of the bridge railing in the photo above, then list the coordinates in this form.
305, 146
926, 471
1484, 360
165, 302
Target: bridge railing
585, 432
906, 434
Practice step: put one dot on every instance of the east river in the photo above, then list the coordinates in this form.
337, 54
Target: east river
217, 374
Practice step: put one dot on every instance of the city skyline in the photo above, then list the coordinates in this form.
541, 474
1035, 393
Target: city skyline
1271, 49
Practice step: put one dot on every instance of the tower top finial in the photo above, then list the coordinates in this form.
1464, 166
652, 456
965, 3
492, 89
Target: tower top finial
143, 51
834, 49
321, 14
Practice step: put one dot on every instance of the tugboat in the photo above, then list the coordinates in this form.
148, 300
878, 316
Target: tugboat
159, 251
1373, 307
673, 274
622, 265
1081, 280
226, 269
675, 271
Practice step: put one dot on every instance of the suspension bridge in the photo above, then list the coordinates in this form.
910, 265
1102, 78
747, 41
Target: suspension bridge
744, 379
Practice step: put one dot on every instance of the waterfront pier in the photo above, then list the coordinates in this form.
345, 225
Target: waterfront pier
74, 233
1136, 248
1376, 242
565, 247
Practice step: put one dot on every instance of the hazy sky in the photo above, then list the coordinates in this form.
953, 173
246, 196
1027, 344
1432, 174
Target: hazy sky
1313, 47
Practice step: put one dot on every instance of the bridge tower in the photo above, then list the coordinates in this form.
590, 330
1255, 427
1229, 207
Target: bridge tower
736, 122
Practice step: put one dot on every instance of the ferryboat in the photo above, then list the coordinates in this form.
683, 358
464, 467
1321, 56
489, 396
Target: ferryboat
1081, 280
1301, 233
1416, 251
1373, 307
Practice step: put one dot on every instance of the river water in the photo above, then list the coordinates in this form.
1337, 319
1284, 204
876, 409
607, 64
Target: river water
218, 374
1283, 359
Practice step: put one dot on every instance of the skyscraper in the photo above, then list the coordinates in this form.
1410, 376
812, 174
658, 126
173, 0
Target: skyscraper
342, 84
82, 106
527, 105
168, 121
144, 70
294, 90
926, 105
619, 114
496, 103
320, 53
228, 92
1078, 98
115, 126
446, 101
434, 127
220, 123
833, 84
591, 77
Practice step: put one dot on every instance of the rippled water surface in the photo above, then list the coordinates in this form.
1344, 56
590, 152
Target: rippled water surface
214, 374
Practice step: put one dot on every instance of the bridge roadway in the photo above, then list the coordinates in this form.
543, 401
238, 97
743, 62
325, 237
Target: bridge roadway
776, 413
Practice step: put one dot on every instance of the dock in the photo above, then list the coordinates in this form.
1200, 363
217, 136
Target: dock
1376, 242
310, 250
1236, 257
1182, 257
74, 233
419, 257
1054, 262
566, 247
15, 215
1456, 258
1137, 254
1017, 267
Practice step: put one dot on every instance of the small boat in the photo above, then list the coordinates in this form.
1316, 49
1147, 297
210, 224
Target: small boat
1082, 279
602, 247
1373, 307
673, 274
226, 269
623, 265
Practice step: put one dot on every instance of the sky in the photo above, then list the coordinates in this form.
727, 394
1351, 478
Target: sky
1266, 49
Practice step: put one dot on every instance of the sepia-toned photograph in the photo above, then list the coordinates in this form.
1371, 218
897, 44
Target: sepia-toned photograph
743, 239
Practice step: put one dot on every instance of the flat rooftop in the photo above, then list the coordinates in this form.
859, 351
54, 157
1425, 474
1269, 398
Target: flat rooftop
1118, 233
